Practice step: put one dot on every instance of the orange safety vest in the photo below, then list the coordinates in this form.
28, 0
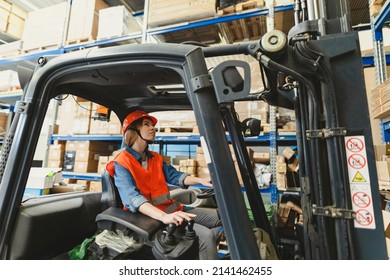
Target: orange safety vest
150, 182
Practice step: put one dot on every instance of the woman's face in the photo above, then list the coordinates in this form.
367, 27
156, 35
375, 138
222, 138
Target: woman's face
147, 129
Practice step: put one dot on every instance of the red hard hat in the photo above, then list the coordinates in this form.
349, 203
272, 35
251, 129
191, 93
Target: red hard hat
136, 115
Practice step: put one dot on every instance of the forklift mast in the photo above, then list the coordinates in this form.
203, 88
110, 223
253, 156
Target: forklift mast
340, 197
315, 70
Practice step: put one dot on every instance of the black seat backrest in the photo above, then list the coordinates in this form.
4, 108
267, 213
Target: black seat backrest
110, 195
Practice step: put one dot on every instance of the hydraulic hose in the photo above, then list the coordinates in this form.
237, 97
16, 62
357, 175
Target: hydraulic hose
336, 151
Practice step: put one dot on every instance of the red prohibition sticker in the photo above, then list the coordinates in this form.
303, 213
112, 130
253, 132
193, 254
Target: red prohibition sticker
355, 145
357, 161
363, 217
361, 199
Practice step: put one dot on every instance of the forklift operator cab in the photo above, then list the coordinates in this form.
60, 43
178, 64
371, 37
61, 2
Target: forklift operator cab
313, 71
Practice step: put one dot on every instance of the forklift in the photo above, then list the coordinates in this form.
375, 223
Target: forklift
315, 70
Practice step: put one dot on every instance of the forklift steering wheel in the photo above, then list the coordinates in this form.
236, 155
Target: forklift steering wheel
206, 193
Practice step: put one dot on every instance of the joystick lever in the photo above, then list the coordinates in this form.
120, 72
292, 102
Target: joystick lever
169, 237
190, 234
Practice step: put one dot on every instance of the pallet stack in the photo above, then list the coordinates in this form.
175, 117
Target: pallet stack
84, 20
380, 100
164, 12
44, 28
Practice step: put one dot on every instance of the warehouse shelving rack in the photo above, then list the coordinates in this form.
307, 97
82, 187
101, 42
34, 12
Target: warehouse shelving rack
29, 60
381, 59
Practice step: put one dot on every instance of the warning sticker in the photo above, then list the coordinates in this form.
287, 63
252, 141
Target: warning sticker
354, 145
359, 181
361, 199
364, 218
357, 161
358, 178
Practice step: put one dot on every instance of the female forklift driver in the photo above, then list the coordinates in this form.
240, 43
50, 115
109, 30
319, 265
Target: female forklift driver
141, 178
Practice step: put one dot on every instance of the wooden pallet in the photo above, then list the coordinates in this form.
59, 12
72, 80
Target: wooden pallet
80, 40
14, 88
40, 49
176, 129
240, 7
242, 29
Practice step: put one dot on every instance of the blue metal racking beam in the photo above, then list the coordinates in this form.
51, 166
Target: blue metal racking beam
380, 20
221, 19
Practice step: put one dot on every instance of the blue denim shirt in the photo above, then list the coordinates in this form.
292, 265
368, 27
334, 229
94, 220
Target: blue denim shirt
128, 191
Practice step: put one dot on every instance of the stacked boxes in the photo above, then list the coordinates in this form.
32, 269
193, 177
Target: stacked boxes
11, 19
116, 21
164, 12
56, 155
84, 19
380, 100
189, 166
112, 127
83, 156
202, 169
45, 27
281, 171
382, 155
75, 117
287, 167
3, 123
9, 80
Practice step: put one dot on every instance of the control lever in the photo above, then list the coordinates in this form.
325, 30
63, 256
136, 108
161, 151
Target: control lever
190, 234
177, 243
169, 238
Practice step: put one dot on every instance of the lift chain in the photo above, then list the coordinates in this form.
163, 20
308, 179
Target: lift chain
200, 82
333, 212
326, 133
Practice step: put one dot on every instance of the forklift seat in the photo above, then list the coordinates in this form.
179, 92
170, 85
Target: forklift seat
110, 195
115, 217
143, 228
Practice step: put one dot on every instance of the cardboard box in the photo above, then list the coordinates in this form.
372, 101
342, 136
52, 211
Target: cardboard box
381, 150
281, 181
56, 154
44, 27
191, 162
55, 163
89, 155
288, 153
201, 170
95, 146
116, 21
163, 12
201, 162
85, 166
383, 170
293, 166
99, 127
15, 26
261, 157
103, 160
191, 170
95, 186
68, 188
281, 167
84, 19
43, 178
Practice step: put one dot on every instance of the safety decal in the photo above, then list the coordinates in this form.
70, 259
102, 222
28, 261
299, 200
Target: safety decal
359, 182
358, 178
